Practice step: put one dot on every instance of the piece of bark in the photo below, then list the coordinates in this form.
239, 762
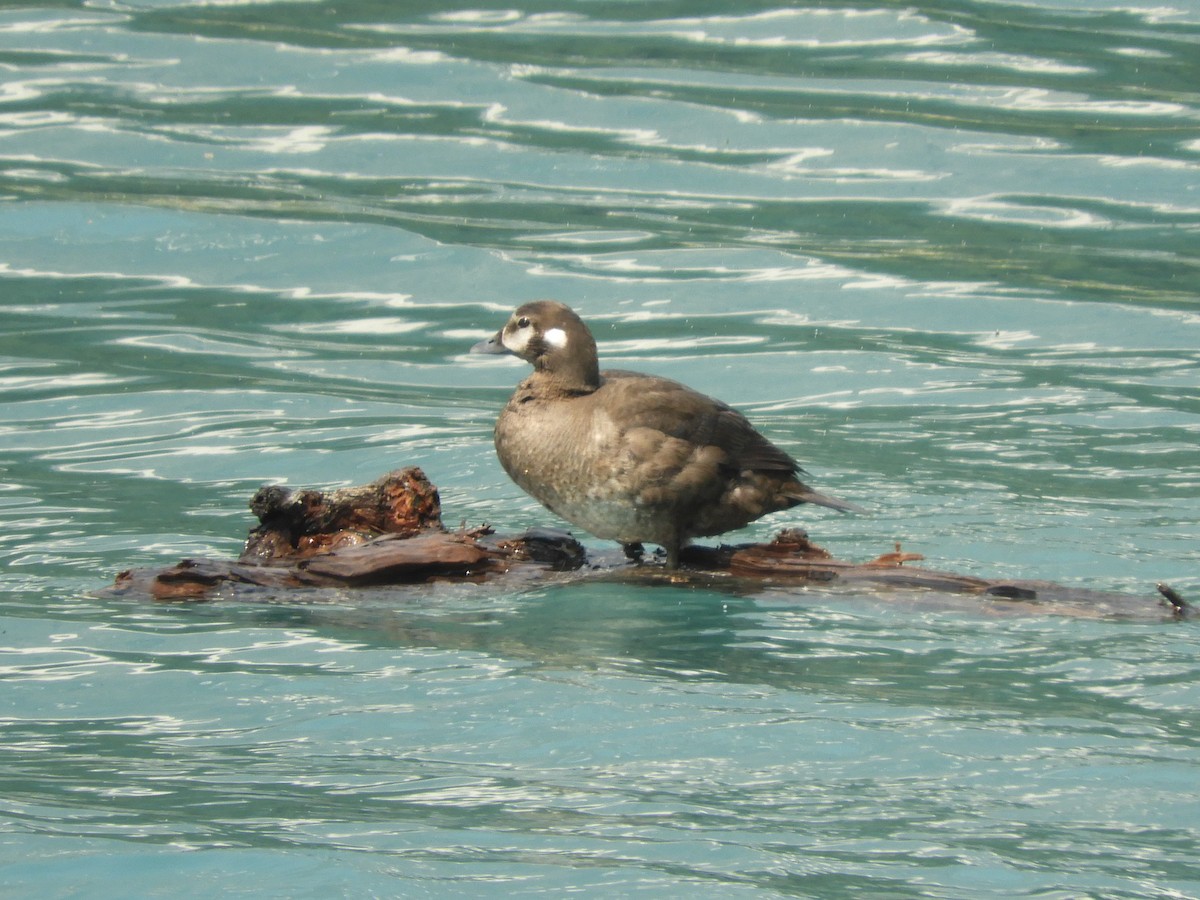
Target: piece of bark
792, 555
305, 523
391, 560
199, 579
549, 546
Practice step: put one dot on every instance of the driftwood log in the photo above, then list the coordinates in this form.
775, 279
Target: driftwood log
390, 532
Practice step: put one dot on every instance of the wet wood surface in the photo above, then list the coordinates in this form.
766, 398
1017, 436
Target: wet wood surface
390, 532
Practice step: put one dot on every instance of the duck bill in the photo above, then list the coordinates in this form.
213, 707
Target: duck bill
493, 345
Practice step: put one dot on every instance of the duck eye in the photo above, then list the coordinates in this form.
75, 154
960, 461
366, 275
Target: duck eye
522, 322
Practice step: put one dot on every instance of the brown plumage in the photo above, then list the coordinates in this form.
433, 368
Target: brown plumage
630, 457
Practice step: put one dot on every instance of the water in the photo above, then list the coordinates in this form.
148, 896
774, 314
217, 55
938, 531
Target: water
944, 254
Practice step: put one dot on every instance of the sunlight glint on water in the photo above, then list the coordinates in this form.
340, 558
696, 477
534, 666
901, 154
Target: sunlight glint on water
946, 256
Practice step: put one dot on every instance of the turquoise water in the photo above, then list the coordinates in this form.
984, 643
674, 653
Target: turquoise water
947, 255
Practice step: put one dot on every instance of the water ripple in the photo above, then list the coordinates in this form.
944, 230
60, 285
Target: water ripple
946, 256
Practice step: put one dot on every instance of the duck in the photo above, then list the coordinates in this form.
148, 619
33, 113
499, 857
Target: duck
635, 458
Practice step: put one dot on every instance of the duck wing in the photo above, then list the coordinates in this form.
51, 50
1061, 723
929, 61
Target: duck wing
677, 411
686, 432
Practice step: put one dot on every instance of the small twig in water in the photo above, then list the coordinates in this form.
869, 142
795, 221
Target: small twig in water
1180, 605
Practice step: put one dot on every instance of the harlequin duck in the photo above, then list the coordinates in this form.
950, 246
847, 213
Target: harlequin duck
631, 457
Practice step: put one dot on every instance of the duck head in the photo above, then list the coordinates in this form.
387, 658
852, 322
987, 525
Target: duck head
553, 339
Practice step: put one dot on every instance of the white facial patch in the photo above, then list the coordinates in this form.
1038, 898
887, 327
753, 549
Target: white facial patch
556, 338
515, 340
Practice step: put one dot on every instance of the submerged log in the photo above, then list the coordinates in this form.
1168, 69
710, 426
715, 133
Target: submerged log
390, 532
386, 532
